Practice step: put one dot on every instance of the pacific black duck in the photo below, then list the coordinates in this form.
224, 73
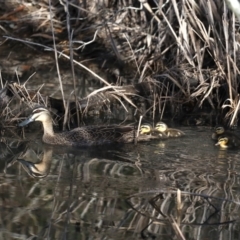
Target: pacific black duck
162, 128
84, 136
41, 168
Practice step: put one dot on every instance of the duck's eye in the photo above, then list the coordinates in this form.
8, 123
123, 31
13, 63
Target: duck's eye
37, 111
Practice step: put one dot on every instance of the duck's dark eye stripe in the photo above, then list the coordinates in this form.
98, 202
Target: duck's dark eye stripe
38, 110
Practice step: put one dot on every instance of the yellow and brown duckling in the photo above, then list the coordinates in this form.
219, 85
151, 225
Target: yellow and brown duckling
84, 136
147, 128
220, 131
162, 128
226, 142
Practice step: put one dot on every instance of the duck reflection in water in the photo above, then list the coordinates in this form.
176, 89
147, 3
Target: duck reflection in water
10, 150
41, 168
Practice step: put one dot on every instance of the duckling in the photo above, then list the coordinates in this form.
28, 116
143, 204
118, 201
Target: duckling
162, 127
220, 131
226, 142
84, 136
146, 128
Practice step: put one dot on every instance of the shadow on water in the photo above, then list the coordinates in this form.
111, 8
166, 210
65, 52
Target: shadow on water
154, 190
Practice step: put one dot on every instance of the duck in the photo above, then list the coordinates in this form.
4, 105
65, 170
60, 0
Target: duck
220, 131
84, 136
40, 169
162, 127
226, 142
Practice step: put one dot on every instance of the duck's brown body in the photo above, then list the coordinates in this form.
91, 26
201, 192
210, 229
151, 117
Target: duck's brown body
95, 135
85, 136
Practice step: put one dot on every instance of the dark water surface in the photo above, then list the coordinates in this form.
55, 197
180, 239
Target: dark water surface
121, 192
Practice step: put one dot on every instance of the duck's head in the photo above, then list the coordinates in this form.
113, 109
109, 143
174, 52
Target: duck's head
38, 114
161, 127
39, 170
145, 128
223, 142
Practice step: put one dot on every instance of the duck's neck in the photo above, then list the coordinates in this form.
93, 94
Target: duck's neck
48, 128
46, 161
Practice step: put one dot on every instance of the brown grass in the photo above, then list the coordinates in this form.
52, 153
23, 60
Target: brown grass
189, 50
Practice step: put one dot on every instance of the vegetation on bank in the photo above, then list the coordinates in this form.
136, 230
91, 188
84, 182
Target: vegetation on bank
187, 52
158, 59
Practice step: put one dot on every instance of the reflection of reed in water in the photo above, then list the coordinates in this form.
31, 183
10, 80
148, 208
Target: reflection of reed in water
92, 196
180, 212
10, 150
41, 168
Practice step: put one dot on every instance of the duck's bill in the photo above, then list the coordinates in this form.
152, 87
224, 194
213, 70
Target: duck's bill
217, 144
26, 122
32, 170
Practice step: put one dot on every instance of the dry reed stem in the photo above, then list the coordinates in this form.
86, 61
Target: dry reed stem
56, 54
138, 129
225, 30
70, 36
176, 228
188, 35
235, 7
236, 111
186, 53
115, 88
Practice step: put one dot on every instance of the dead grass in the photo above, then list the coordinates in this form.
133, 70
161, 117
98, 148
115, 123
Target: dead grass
190, 50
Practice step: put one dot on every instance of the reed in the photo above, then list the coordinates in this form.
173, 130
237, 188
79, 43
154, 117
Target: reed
191, 47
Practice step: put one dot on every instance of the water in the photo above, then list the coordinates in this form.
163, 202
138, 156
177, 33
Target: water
122, 192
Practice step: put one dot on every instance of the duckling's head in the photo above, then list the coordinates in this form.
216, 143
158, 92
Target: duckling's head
38, 114
161, 127
219, 130
223, 142
145, 128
